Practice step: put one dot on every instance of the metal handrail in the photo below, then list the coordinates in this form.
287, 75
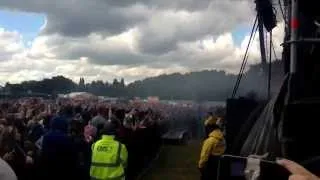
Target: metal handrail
305, 40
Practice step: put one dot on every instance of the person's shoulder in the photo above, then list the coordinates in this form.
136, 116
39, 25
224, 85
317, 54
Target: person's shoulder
123, 146
212, 138
6, 172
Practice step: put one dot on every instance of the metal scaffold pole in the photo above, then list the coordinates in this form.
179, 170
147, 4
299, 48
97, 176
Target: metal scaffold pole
294, 36
262, 42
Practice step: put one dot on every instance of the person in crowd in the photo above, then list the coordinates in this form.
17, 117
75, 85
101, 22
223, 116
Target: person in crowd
35, 130
12, 150
58, 153
99, 120
109, 157
83, 149
213, 147
211, 119
48, 139
90, 133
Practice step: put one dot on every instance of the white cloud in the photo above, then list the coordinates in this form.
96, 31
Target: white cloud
39, 61
166, 28
132, 40
10, 43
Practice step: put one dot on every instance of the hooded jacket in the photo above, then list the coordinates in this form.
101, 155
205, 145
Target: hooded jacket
210, 120
58, 154
214, 145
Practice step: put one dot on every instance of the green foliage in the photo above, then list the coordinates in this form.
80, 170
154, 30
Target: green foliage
214, 85
55, 85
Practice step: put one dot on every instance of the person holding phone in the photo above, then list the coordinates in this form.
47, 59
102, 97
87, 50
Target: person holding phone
298, 172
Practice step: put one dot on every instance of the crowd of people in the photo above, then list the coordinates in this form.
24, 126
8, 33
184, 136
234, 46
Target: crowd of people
62, 139
50, 139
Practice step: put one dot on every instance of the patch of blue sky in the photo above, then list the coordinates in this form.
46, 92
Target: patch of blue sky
27, 24
239, 34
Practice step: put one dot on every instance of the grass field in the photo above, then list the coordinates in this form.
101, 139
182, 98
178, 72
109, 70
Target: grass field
176, 162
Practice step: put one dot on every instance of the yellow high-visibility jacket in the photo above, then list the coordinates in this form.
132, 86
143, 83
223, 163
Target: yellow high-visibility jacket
214, 145
109, 159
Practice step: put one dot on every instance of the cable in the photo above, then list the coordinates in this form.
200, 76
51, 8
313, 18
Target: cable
244, 62
241, 69
283, 14
274, 51
270, 65
282, 10
255, 27
266, 45
245, 58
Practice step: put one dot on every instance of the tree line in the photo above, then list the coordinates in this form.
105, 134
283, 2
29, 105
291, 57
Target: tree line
203, 85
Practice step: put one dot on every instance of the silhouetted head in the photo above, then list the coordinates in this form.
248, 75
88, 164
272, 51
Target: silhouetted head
59, 123
109, 128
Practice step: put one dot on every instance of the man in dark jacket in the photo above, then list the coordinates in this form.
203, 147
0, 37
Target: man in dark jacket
35, 131
58, 156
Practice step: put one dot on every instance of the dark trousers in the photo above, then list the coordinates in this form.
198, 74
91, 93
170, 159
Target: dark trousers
210, 171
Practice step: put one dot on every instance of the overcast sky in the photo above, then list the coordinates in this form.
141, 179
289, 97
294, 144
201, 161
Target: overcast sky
134, 39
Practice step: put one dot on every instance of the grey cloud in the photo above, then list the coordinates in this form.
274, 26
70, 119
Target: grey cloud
108, 57
10, 44
92, 18
79, 17
98, 51
162, 25
162, 33
82, 17
190, 5
156, 46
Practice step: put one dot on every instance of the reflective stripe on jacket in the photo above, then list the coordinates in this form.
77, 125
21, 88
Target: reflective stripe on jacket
109, 159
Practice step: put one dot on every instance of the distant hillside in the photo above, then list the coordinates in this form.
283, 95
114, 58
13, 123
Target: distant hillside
203, 85
212, 85
207, 85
